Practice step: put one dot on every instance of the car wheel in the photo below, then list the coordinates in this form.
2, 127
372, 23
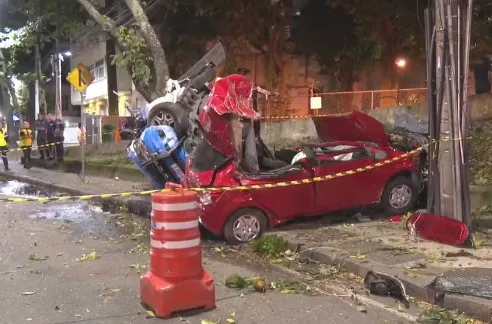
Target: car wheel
399, 196
244, 225
169, 114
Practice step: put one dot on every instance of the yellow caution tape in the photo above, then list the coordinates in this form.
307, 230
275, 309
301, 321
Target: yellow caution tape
232, 188
218, 189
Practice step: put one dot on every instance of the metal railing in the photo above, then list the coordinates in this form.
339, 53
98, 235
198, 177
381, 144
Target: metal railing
343, 102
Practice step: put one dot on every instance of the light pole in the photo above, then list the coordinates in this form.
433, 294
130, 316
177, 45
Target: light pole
400, 63
58, 57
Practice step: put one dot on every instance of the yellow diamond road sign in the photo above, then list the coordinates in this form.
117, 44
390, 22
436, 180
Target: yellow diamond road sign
80, 78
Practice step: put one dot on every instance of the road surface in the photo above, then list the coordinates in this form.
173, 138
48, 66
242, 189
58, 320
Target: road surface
44, 279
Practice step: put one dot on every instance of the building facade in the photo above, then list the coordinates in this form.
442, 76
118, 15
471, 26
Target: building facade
90, 49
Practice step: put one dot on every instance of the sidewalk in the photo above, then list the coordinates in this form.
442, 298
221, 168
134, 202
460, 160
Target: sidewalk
387, 247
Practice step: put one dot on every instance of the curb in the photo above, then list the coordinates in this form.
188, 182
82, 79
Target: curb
475, 307
138, 206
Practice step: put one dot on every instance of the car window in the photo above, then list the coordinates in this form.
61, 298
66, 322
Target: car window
205, 158
345, 156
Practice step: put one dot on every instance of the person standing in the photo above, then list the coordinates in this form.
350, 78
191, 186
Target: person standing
81, 134
4, 146
59, 138
26, 144
41, 126
50, 135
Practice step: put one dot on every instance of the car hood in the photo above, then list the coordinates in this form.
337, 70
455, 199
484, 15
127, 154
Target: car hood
355, 126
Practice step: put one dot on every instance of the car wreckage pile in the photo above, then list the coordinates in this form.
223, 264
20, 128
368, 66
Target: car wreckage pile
204, 133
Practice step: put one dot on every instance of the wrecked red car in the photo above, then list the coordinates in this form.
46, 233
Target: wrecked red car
231, 154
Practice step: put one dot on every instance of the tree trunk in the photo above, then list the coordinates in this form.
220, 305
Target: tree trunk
13, 95
161, 69
7, 108
109, 26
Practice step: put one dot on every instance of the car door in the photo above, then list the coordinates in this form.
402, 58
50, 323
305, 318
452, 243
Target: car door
286, 200
344, 190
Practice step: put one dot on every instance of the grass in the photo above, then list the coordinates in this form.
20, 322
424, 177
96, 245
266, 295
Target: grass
481, 152
106, 160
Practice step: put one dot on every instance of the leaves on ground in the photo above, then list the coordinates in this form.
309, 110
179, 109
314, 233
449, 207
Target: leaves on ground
150, 314
270, 246
140, 249
90, 257
283, 285
358, 256
37, 257
435, 315
138, 267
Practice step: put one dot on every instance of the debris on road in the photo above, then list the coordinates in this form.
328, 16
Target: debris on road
90, 257
382, 284
283, 285
270, 246
36, 257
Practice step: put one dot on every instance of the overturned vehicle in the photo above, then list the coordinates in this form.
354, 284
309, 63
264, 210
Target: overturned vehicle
206, 137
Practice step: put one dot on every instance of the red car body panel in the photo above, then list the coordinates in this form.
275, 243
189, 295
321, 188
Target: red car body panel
281, 204
354, 126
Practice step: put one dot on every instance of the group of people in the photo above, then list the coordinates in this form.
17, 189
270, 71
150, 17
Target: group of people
49, 139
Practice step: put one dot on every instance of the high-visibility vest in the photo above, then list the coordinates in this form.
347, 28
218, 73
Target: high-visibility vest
3, 141
25, 137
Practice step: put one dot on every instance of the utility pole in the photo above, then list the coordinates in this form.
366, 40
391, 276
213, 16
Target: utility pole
449, 37
37, 68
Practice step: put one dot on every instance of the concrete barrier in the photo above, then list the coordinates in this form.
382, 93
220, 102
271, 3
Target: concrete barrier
283, 133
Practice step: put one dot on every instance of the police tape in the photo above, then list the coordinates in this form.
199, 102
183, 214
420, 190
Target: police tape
219, 189
296, 117
44, 146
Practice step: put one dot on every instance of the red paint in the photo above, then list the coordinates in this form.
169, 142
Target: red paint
396, 219
439, 228
176, 280
354, 126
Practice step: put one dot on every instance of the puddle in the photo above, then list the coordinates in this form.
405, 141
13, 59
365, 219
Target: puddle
14, 188
81, 217
70, 212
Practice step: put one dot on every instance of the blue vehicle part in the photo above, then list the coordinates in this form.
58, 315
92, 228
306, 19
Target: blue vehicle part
159, 155
157, 181
162, 142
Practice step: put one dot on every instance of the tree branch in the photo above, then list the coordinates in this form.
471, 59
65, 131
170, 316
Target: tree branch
108, 25
153, 44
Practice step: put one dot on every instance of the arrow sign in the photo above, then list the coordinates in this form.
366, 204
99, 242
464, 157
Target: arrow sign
80, 77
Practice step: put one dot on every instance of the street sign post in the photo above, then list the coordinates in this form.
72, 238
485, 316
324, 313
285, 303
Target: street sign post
81, 78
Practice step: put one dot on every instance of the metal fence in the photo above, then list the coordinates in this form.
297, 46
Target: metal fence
343, 102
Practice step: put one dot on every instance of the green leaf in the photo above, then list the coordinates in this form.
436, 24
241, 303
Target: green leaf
208, 322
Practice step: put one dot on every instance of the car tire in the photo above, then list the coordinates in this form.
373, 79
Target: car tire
257, 226
175, 114
408, 191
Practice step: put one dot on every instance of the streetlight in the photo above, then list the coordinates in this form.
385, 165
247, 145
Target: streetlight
58, 84
400, 63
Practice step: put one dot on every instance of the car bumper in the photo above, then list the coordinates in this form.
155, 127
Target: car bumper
209, 220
